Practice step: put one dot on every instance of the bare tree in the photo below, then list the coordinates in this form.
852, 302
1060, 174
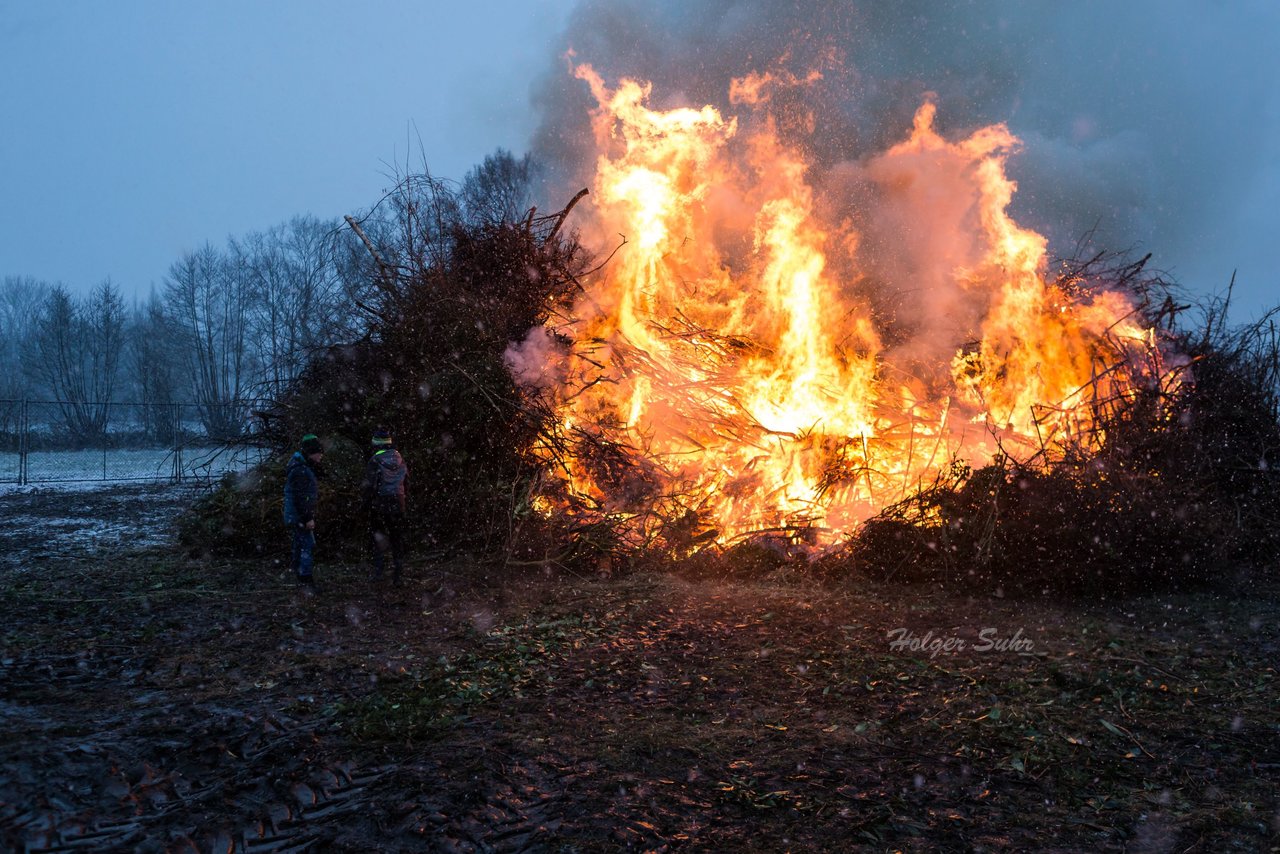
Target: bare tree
76, 354
313, 259
498, 190
21, 300
103, 316
297, 302
272, 329
150, 353
207, 296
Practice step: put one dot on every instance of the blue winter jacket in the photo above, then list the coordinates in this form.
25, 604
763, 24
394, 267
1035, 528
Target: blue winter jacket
301, 491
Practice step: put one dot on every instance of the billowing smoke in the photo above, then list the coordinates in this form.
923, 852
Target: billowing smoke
1141, 122
537, 361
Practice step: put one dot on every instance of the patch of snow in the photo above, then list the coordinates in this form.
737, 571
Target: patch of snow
54, 468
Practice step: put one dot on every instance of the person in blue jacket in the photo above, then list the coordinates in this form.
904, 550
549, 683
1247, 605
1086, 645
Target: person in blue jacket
301, 493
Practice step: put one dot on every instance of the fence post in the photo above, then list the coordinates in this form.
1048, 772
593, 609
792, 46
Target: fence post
24, 421
177, 443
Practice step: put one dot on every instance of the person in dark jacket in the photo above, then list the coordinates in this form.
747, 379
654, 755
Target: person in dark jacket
301, 493
383, 490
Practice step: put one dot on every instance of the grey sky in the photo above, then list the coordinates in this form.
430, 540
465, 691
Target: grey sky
136, 130
133, 131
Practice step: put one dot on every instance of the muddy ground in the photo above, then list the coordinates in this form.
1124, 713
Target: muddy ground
152, 700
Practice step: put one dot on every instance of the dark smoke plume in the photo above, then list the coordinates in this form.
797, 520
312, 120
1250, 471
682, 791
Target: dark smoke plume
1143, 123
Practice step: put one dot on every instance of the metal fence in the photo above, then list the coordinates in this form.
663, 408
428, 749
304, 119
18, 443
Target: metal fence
49, 442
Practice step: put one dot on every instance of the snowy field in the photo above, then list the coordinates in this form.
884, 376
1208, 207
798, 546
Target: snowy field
86, 521
83, 468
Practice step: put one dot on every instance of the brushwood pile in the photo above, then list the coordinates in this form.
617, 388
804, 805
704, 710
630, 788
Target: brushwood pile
1180, 488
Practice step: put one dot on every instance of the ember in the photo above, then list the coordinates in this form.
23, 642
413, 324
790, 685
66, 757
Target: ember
760, 356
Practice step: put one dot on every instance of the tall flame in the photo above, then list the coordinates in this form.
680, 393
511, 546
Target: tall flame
722, 369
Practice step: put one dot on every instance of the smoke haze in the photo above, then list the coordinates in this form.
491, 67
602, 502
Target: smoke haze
1145, 123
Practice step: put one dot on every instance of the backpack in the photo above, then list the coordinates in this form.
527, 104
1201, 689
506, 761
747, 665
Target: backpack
391, 474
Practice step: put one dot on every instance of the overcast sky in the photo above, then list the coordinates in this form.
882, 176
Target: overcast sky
133, 131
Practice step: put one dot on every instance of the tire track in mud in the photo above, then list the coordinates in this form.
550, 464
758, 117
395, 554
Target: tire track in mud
532, 804
518, 809
301, 817
180, 776
80, 774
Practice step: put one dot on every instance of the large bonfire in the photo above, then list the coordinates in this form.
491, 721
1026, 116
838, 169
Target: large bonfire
761, 354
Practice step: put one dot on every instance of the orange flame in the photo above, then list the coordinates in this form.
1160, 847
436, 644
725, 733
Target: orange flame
724, 370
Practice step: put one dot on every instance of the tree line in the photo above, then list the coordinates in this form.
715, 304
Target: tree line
228, 324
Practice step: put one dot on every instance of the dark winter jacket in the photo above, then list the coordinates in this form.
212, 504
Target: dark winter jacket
384, 481
301, 491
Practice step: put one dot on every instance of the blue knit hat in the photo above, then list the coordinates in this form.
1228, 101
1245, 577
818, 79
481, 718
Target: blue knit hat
381, 438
